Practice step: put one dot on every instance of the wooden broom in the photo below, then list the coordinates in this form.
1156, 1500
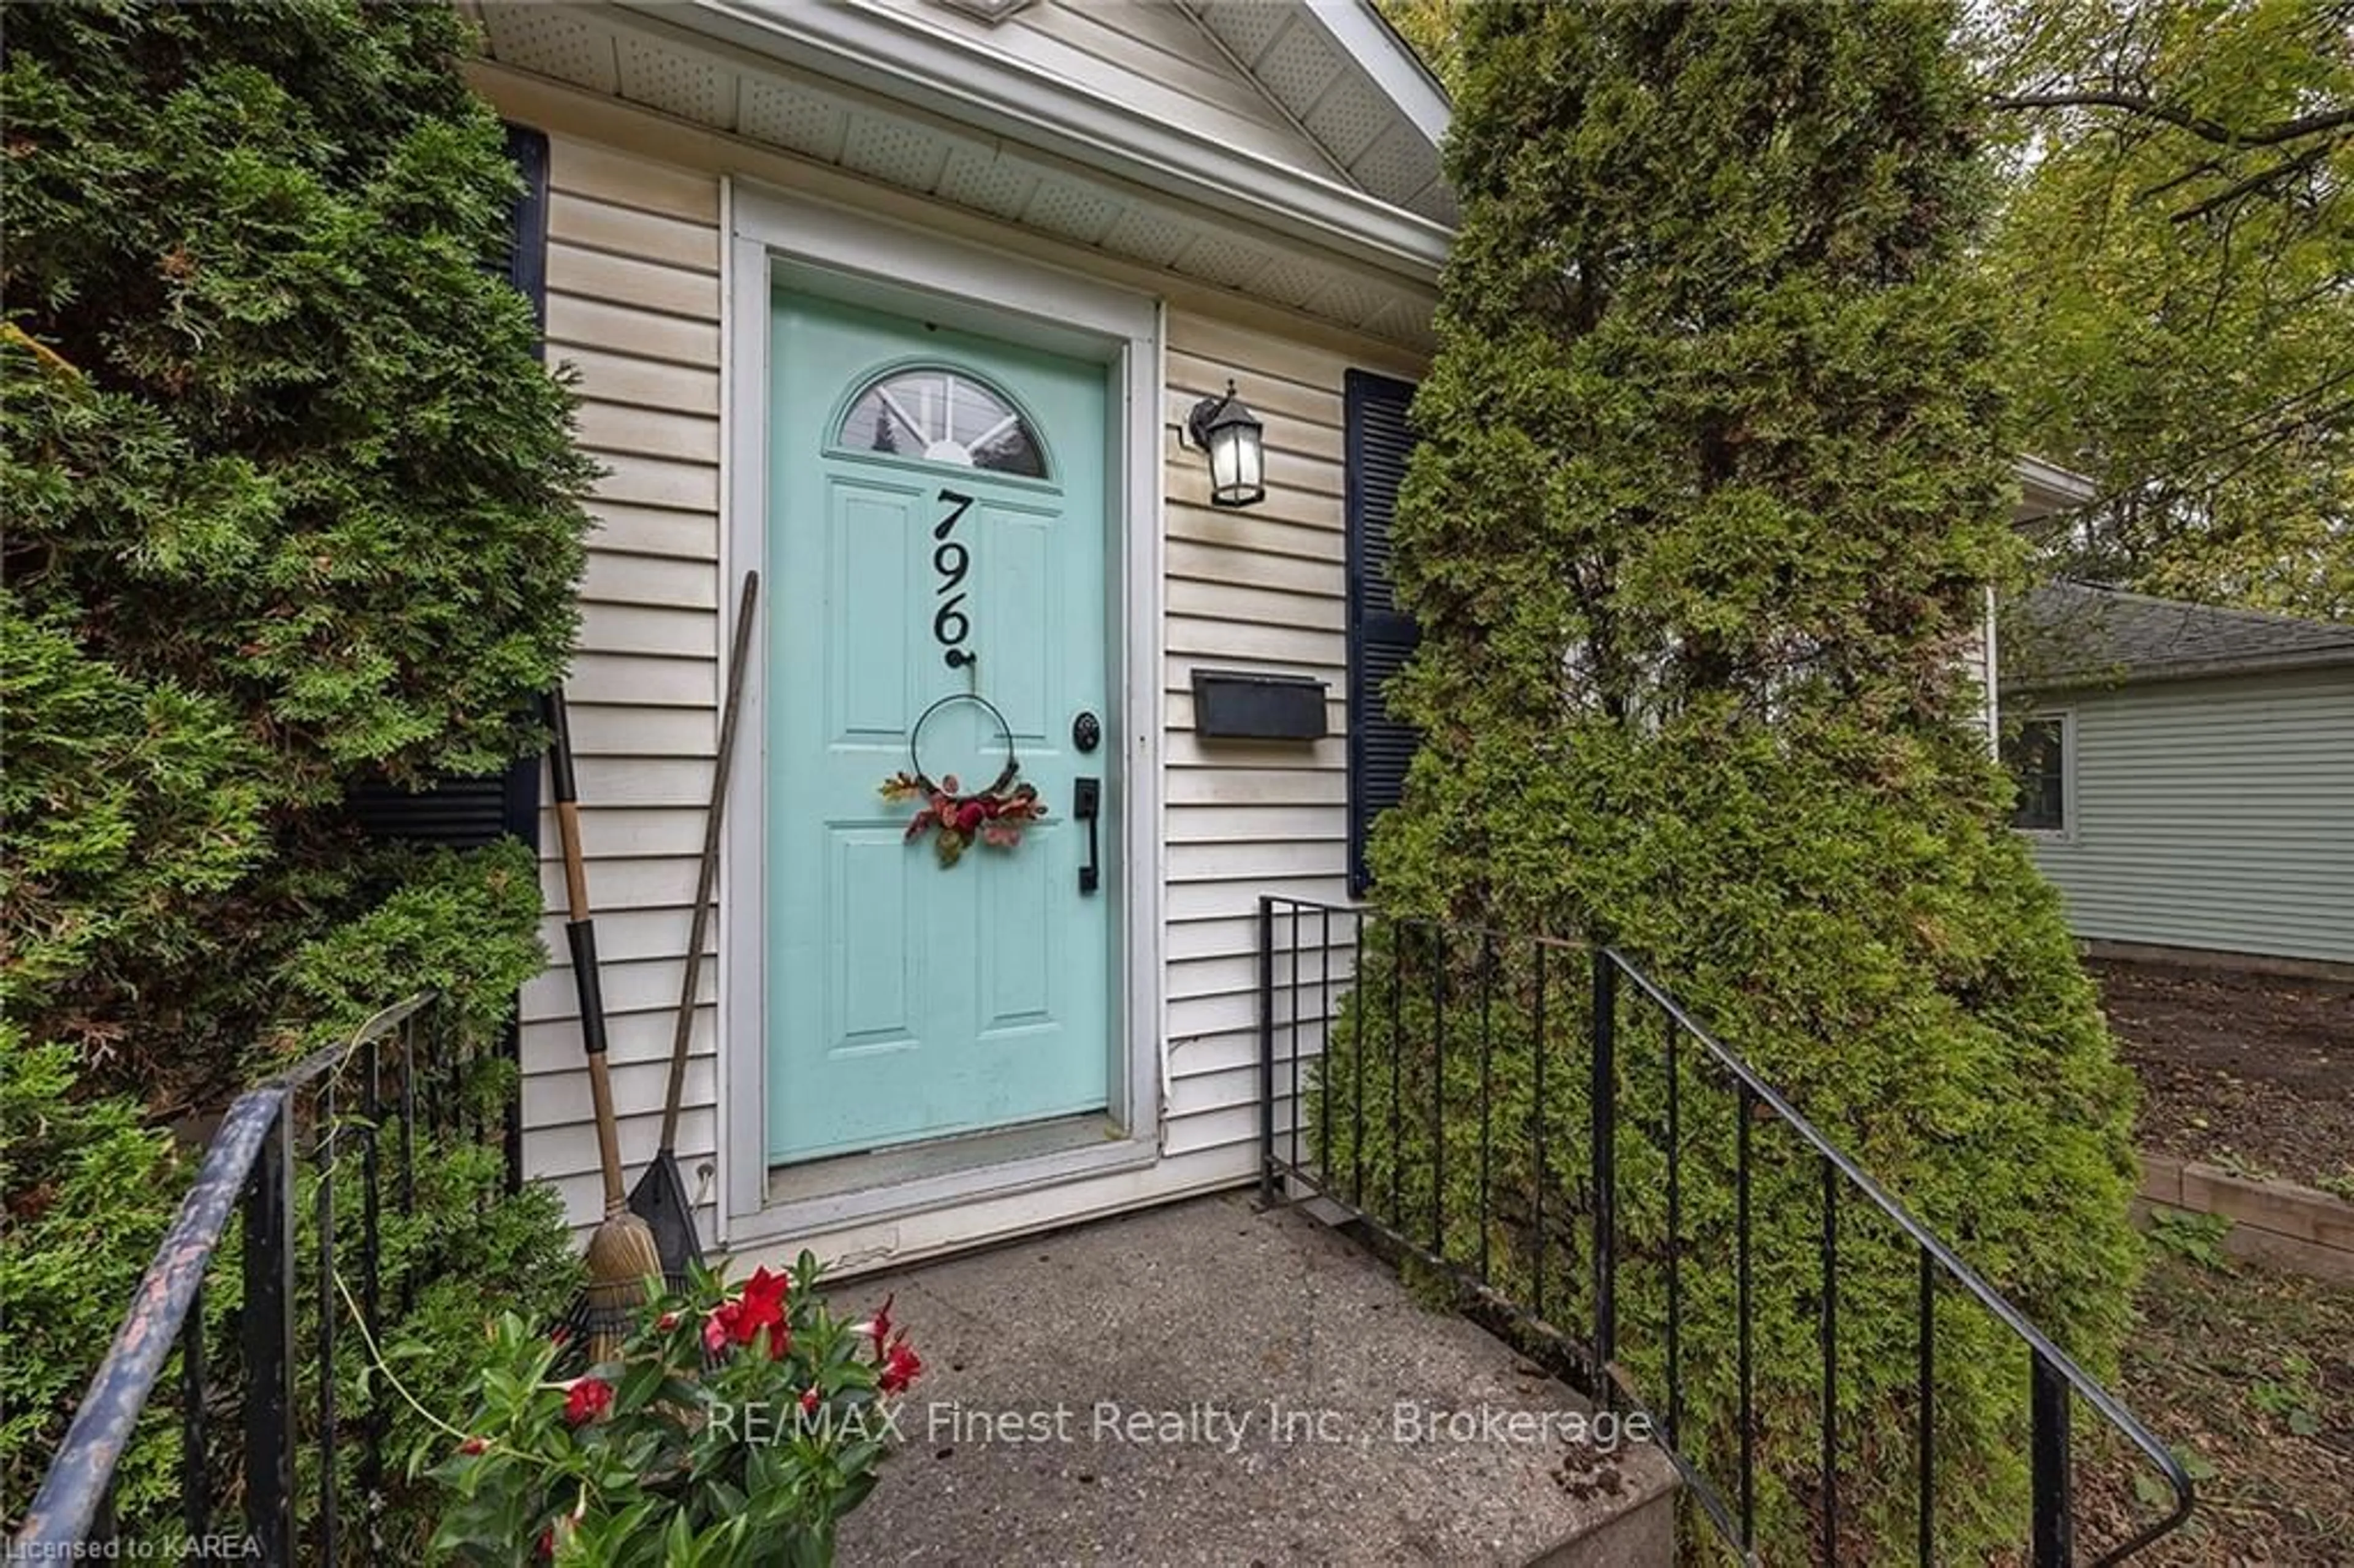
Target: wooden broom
622, 1259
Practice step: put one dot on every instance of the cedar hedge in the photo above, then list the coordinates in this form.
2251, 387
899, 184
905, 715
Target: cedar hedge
1714, 472
292, 506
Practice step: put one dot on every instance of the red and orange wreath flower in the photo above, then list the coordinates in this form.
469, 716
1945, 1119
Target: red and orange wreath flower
994, 816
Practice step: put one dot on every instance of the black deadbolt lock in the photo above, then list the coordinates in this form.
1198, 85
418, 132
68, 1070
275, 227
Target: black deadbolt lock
1086, 733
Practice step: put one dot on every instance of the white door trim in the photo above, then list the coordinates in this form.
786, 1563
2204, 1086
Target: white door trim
775, 236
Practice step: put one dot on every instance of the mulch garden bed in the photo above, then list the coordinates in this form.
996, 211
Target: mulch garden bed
2254, 1073
2247, 1375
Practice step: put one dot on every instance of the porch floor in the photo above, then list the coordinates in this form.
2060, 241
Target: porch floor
1206, 1383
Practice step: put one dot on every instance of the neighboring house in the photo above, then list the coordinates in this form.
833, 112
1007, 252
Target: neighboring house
2186, 773
2046, 492
907, 304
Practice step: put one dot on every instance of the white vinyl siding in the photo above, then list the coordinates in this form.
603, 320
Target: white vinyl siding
2213, 814
1261, 589
634, 307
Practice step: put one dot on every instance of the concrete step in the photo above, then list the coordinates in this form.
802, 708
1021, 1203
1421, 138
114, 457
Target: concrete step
1203, 1383
1643, 1536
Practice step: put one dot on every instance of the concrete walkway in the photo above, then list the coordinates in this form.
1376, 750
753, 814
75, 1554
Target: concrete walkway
1203, 1384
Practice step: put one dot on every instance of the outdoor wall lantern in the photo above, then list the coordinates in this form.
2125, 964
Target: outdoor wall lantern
1226, 430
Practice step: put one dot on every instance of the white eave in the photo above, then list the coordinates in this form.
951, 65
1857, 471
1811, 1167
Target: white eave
1340, 74
2045, 488
1395, 69
904, 56
917, 101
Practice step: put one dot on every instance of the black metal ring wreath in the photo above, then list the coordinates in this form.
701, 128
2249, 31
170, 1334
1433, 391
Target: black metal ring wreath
993, 816
915, 765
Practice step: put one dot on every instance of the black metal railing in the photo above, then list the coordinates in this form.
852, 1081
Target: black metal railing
1519, 1145
257, 1408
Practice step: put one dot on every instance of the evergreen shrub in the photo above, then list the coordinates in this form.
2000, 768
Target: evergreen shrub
1714, 473
292, 506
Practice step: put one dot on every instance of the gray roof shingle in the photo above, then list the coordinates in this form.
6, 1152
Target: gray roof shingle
2069, 633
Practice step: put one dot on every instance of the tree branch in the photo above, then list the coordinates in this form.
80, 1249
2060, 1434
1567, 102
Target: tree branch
2176, 182
2272, 135
2259, 181
2239, 446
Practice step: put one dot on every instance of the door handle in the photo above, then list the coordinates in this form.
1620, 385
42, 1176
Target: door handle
1087, 806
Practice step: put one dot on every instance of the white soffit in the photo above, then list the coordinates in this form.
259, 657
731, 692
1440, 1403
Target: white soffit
1340, 74
928, 116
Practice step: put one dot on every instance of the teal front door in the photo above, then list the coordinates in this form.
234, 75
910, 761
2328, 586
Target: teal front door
937, 529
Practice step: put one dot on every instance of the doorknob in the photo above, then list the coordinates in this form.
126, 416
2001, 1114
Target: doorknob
1087, 806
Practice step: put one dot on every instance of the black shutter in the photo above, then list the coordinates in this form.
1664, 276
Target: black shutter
526, 261
1381, 634
462, 813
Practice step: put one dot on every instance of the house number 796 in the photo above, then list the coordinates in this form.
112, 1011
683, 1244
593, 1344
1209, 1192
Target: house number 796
953, 562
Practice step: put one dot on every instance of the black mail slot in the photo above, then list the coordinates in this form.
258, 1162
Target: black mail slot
1234, 704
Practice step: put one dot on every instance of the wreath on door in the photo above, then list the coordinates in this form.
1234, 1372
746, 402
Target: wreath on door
993, 816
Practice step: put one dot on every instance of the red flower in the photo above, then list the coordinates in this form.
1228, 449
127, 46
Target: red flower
473, 1446
740, 1320
765, 1294
969, 816
590, 1398
547, 1541
901, 1366
879, 1326
666, 1322
809, 1400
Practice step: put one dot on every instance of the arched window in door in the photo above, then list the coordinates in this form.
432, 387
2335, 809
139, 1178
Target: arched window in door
940, 414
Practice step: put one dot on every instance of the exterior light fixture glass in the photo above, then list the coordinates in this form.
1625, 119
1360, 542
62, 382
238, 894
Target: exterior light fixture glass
1226, 430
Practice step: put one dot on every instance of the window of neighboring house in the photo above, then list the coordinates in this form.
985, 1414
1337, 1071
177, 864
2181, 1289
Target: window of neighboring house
2036, 756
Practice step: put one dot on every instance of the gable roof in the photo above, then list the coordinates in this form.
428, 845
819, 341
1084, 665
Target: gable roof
1109, 127
2080, 634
